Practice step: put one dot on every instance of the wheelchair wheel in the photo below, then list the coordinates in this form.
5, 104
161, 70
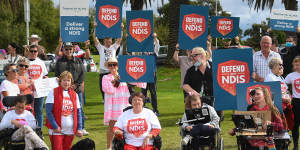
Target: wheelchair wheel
220, 144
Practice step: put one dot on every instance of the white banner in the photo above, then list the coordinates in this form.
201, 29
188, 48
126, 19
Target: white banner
284, 14
74, 7
43, 86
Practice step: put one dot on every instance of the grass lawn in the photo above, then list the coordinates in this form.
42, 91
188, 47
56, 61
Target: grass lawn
170, 105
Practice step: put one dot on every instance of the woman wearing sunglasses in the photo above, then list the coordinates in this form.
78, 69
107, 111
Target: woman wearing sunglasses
116, 98
25, 84
9, 86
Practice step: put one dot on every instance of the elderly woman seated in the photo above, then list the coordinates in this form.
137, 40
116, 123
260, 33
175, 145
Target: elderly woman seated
139, 125
24, 122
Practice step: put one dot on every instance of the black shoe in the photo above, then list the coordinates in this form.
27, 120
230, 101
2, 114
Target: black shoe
157, 113
295, 148
148, 100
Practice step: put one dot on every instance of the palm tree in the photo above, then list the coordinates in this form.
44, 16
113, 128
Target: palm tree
138, 4
262, 4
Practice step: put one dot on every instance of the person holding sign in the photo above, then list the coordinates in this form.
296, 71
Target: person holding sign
138, 125
261, 59
198, 78
63, 113
185, 62
36, 71
116, 97
106, 51
294, 80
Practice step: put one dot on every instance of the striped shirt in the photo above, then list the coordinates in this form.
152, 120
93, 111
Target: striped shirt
261, 64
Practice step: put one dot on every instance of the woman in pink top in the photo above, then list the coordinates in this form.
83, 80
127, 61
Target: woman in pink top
25, 84
116, 98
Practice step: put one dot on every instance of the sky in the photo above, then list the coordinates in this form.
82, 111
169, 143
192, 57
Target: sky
238, 8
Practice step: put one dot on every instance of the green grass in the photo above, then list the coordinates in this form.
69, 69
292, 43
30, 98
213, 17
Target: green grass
170, 105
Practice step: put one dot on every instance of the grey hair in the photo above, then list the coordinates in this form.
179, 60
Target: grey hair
23, 59
274, 61
6, 68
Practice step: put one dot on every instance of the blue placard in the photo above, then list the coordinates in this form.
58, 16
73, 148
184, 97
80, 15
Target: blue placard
136, 68
74, 28
230, 66
140, 29
193, 27
243, 99
108, 18
224, 27
284, 25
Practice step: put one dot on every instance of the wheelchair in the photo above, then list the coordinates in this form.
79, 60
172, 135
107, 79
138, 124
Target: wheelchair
214, 142
248, 126
118, 144
5, 135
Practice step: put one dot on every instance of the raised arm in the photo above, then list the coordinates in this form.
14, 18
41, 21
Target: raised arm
176, 52
94, 35
58, 51
118, 40
87, 50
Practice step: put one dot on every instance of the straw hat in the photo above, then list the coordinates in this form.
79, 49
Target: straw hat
35, 36
111, 60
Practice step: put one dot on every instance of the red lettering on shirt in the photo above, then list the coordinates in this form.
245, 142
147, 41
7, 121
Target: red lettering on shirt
35, 71
297, 85
67, 108
137, 127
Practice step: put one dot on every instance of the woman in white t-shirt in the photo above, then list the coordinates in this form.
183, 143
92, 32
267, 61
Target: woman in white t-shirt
139, 125
9, 86
63, 113
294, 79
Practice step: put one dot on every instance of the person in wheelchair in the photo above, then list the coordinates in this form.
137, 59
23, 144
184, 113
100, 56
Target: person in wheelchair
208, 126
139, 125
262, 102
24, 123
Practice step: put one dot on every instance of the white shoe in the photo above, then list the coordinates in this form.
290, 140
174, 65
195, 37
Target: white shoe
85, 132
186, 139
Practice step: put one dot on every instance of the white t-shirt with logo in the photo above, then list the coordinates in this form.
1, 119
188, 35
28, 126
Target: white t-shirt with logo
294, 79
137, 126
272, 77
106, 53
67, 121
26, 116
37, 69
10, 87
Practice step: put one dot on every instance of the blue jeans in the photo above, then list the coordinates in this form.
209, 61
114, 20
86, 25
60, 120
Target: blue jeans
81, 107
38, 109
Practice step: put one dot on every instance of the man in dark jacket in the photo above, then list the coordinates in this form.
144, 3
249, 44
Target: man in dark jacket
291, 50
74, 65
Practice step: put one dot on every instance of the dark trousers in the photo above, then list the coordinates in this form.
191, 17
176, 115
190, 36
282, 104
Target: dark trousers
200, 130
152, 88
296, 110
100, 83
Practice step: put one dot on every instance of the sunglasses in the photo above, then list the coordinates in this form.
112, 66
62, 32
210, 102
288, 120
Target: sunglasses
112, 65
22, 65
14, 70
68, 49
195, 55
33, 51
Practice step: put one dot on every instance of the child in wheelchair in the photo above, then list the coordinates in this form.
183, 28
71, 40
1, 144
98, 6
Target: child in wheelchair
23, 123
199, 120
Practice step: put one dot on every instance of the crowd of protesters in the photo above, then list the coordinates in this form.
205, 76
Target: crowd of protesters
64, 104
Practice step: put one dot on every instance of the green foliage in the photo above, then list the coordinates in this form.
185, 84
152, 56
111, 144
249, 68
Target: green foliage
44, 22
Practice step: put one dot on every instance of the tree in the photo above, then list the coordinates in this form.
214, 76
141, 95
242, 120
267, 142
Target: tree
138, 4
44, 22
262, 4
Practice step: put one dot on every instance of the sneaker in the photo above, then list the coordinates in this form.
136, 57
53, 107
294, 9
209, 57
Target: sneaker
85, 132
186, 139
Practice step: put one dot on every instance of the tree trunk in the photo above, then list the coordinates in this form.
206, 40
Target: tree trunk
174, 12
137, 4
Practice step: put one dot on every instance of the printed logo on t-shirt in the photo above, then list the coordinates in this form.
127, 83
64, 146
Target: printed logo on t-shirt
297, 85
137, 127
283, 87
67, 107
35, 71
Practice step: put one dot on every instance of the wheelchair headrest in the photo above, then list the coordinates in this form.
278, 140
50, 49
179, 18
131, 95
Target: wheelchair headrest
9, 101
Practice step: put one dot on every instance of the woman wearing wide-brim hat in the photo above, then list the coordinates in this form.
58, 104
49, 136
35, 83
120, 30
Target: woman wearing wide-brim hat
116, 97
